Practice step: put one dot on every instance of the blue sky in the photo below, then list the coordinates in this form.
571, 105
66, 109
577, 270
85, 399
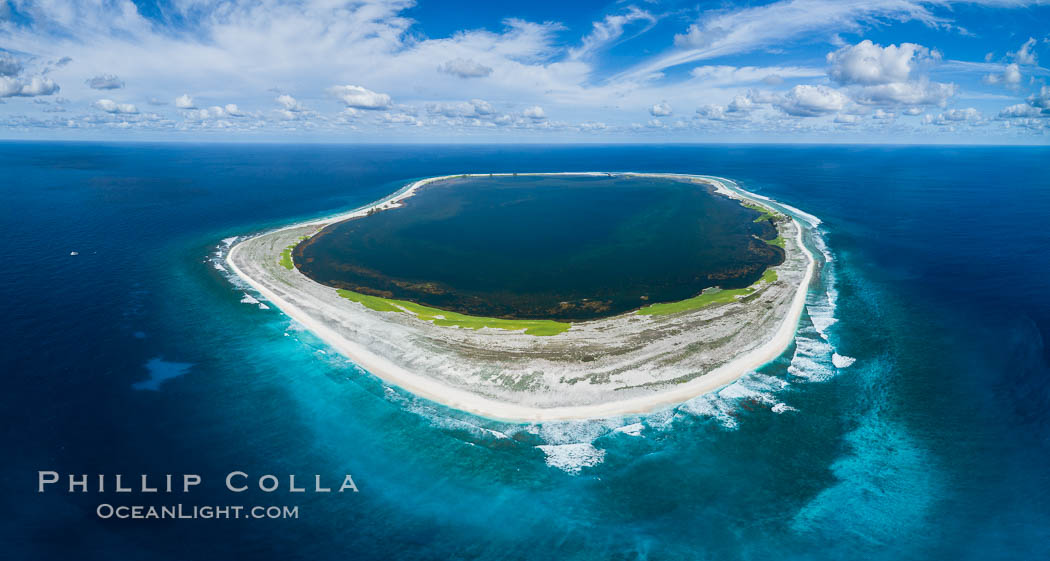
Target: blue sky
900, 71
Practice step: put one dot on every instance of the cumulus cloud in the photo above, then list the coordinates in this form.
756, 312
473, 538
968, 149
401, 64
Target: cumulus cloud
811, 101
110, 106
360, 98
216, 112
465, 68
661, 109
877, 75
535, 113
922, 92
473, 108
291, 109
711, 112
1025, 54
184, 101
1020, 110
105, 82
482, 107
37, 85
740, 104
1011, 76
400, 118
969, 115
1041, 99
867, 63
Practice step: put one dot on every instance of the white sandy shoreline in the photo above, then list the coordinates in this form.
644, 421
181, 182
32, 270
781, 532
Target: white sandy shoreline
457, 398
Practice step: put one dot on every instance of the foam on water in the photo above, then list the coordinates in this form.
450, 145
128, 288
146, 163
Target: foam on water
747, 392
812, 358
249, 299
841, 361
633, 429
572, 458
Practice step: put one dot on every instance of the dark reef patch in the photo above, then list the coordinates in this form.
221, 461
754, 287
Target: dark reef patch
546, 247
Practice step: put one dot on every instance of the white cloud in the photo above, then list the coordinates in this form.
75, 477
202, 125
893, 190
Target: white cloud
811, 101
721, 75
184, 101
105, 82
592, 126
1025, 55
877, 75
110, 106
712, 112
482, 107
37, 85
289, 103
721, 33
844, 119
661, 109
535, 113
1019, 110
465, 68
952, 117
740, 104
867, 63
1041, 99
1011, 76
361, 98
400, 118
922, 92
609, 30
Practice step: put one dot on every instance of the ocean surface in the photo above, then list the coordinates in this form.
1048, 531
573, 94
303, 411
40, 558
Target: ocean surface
910, 419
561, 247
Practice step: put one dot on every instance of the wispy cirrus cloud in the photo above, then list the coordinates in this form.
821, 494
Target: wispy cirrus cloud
733, 31
610, 30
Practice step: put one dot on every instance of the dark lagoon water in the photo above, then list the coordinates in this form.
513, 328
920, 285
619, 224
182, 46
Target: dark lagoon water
139, 355
563, 247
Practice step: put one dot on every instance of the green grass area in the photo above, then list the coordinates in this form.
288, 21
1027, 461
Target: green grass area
539, 327
707, 298
766, 213
286, 255
779, 242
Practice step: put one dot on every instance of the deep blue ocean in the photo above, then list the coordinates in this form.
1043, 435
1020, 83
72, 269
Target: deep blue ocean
140, 356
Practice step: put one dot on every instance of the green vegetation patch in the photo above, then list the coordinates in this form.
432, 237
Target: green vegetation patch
286, 255
708, 298
779, 242
539, 327
766, 213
